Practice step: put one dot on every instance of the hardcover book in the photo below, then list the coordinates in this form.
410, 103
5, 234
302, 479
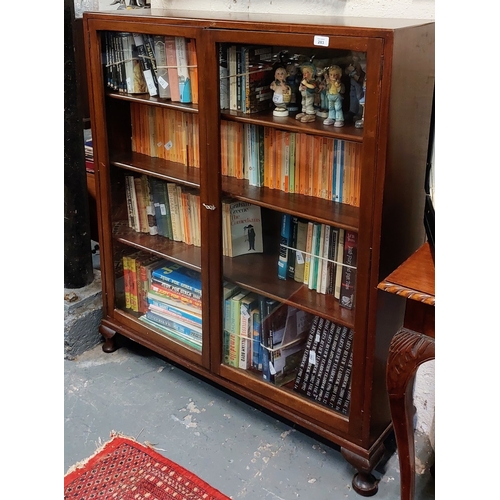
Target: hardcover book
178, 275
245, 227
161, 62
348, 284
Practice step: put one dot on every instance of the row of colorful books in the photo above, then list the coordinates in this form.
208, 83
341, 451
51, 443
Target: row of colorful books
292, 162
165, 133
163, 66
263, 334
246, 73
322, 257
158, 207
167, 295
324, 373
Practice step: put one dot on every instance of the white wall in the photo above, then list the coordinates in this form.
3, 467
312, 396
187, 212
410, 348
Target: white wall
412, 9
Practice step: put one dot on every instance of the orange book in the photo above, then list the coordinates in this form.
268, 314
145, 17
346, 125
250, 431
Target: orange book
170, 135
173, 76
196, 142
278, 147
297, 163
185, 217
193, 68
315, 179
304, 162
323, 185
285, 164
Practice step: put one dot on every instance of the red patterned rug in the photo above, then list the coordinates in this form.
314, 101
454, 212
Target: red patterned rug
124, 469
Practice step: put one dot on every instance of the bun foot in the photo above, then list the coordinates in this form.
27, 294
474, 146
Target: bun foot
364, 484
109, 339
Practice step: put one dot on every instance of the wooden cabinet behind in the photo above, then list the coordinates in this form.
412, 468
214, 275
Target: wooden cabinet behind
281, 219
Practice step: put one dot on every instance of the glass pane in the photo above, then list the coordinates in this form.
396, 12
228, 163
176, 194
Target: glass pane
154, 181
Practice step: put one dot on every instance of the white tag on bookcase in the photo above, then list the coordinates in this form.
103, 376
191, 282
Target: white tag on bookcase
300, 257
312, 357
322, 41
162, 82
272, 371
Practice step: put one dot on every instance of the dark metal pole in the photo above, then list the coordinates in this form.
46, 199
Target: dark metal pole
78, 271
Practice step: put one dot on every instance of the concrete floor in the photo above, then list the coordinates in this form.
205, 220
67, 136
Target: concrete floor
237, 448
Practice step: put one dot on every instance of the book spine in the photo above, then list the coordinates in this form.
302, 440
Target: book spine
177, 279
308, 251
319, 356
146, 65
311, 362
182, 70
290, 272
174, 325
173, 76
324, 268
345, 349
257, 339
348, 285
245, 349
163, 290
126, 282
284, 244
176, 312
329, 364
320, 380
305, 356
334, 372
340, 260
161, 61
346, 378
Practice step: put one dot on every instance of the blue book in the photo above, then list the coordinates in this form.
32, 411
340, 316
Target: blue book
176, 312
174, 325
257, 339
176, 274
285, 239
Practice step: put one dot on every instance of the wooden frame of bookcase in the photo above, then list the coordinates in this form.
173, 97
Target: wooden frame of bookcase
389, 219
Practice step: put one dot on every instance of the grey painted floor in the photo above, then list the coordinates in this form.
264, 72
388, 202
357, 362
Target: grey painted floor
237, 448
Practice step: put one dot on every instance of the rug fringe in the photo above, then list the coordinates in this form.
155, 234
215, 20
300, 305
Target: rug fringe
100, 446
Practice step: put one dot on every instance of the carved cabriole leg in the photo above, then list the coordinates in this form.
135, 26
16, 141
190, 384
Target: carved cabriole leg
407, 351
109, 340
364, 482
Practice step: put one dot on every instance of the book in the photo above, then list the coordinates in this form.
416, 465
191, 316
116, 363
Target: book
178, 275
173, 77
223, 76
325, 356
157, 292
319, 356
228, 290
192, 58
311, 361
344, 343
332, 341
145, 263
290, 272
267, 307
345, 382
149, 204
325, 280
244, 223
146, 64
334, 371
299, 265
332, 256
313, 266
247, 304
290, 333
234, 328
174, 324
285, 240
183, 76
175, 216
161, 207
348, 284
161, 64
308, 252
160, 306
305, 355
340, 260
256, 338
168, 332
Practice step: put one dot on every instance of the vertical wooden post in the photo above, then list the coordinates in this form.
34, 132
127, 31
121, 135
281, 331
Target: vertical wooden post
78, 271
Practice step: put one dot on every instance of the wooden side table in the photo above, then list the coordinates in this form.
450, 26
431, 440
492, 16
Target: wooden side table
412, 345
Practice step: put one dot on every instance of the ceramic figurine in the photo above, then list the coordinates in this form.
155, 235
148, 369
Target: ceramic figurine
282, 92
293, 81
356, 93
307, 89
321, 104
361, 122
334, 91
